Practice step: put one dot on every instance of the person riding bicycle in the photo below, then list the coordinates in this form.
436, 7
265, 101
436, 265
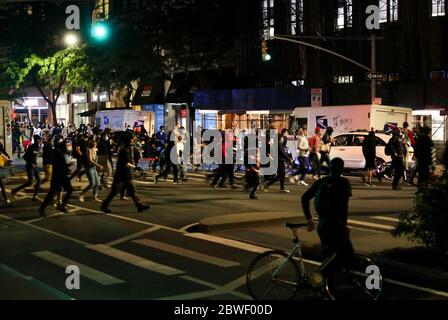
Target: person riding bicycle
331, 195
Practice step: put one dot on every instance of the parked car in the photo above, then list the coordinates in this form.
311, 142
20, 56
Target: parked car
348, 146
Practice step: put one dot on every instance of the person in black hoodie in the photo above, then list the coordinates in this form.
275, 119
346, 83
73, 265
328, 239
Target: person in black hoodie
168, 161
60, 180
397, 158
123, 179
283, 158
32, 170
423, 154
47, 158
369, 152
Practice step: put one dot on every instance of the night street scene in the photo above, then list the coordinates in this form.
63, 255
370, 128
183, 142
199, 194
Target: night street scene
223, 155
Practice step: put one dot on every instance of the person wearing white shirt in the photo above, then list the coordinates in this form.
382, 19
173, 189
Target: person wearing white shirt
303, 149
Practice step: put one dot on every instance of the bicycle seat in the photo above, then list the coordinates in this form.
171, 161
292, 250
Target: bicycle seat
295, 225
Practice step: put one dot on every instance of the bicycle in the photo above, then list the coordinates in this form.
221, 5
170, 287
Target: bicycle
279, 275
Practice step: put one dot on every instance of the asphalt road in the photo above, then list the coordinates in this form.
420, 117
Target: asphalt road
130, 255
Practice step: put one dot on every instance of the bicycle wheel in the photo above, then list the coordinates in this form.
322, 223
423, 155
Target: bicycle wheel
363, 281
271, 276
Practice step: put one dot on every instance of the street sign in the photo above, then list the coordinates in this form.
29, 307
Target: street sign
316, 97
374, 76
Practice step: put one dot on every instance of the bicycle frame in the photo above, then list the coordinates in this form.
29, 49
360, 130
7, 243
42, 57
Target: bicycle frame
292, 254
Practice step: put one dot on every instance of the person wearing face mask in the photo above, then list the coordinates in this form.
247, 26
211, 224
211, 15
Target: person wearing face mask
104, 158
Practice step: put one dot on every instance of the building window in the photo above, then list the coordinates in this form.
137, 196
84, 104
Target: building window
296, 17
344, 17
298, 83
268, 18
343, 79
388, 10
437, 75
438, 8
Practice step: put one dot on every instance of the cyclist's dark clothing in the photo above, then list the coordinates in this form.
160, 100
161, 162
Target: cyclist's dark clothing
331, 203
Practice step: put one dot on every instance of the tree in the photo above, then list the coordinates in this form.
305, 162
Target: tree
51, 75
162, 38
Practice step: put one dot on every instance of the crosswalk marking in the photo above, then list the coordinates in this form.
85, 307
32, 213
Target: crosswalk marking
136, 260
227, 242
90, 273
187, 253
132, 236
391, 219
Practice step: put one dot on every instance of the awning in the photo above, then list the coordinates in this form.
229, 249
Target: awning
150, 93
88, 113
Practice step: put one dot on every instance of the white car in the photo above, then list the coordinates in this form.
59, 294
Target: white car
348, 147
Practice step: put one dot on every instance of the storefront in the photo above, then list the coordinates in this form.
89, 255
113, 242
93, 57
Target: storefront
62, 110
206, 119
256, 119
79, 105
159, 115
31, 109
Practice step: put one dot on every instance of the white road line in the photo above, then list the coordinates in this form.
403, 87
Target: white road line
193, 295
187, 253
46, 230
85, 271
418, 288
141, 222
228, 242
371, 225
136, 260
131, 236
391, 219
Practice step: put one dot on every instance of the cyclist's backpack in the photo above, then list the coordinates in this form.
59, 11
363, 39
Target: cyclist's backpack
389, 150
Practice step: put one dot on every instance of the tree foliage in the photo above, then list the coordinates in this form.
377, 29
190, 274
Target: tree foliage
51, 75
428, 222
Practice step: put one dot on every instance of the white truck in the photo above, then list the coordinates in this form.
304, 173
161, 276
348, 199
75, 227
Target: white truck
351, 118
118, 120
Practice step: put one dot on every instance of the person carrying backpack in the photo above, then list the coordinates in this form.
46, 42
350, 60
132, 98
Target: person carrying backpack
331, 194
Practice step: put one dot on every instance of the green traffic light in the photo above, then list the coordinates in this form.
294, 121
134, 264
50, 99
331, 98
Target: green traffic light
266, 57
100, 31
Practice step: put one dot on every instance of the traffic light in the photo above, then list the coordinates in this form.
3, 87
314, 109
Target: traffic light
100, 30
265, 56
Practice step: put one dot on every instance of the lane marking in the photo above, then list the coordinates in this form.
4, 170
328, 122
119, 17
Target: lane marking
136, 260
131, 236
46, 230
85, 271
39, 284
187, 253
418, 288
391, 219
369, 224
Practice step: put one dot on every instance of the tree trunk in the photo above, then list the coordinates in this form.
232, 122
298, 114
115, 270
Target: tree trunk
52, 107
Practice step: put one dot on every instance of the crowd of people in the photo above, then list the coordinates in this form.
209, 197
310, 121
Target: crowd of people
92, 151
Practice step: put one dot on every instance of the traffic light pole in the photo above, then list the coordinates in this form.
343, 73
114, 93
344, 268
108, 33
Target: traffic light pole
371, 69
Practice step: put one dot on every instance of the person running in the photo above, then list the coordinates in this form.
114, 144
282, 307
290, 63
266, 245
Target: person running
369, 152
169, 165
331, 194
123, 178
283, 159
80, 153
47, 158
252, 169
32, 170
59, 181
92, 173
314, 143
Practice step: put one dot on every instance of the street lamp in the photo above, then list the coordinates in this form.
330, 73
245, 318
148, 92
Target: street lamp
71, 39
